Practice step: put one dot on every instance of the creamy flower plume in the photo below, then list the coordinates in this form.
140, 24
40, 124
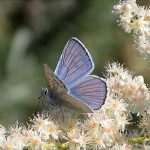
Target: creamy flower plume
128, 89
136, 19
106, 128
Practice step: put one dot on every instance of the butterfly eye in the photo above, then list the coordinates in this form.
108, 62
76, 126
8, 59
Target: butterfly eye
45, 92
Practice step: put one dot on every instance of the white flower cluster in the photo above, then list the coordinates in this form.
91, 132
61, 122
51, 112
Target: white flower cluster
106, 128
137, 19
131, 89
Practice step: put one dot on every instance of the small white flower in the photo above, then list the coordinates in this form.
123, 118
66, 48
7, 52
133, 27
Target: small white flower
118, 107
83, 140
14, 143
92, 124
50, 130
100, 141
35, 142
2, 135
122, 121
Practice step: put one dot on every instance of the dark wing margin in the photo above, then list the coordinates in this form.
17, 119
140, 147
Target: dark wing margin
91, 90
74, 63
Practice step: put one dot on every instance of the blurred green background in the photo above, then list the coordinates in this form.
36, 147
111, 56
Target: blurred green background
33, 32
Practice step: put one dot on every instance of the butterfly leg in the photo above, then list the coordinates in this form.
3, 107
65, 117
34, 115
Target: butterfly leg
62, 113
41, 99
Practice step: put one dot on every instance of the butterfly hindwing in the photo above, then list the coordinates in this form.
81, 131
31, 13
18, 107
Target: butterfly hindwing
90, 90
74, 63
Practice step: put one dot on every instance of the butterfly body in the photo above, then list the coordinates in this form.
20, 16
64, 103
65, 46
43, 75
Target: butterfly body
71, 85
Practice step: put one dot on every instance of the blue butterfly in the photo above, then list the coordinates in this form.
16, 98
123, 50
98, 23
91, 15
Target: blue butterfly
71, 85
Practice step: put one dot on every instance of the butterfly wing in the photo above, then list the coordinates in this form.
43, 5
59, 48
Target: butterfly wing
74, 63
60, 92
74, 103
90, 90
54, 84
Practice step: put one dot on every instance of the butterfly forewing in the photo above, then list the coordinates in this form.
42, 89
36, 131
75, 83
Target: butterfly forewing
75, 62
90, 90
54, 85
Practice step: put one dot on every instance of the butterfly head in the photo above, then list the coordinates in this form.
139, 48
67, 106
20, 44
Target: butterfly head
44, 92
48, 97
